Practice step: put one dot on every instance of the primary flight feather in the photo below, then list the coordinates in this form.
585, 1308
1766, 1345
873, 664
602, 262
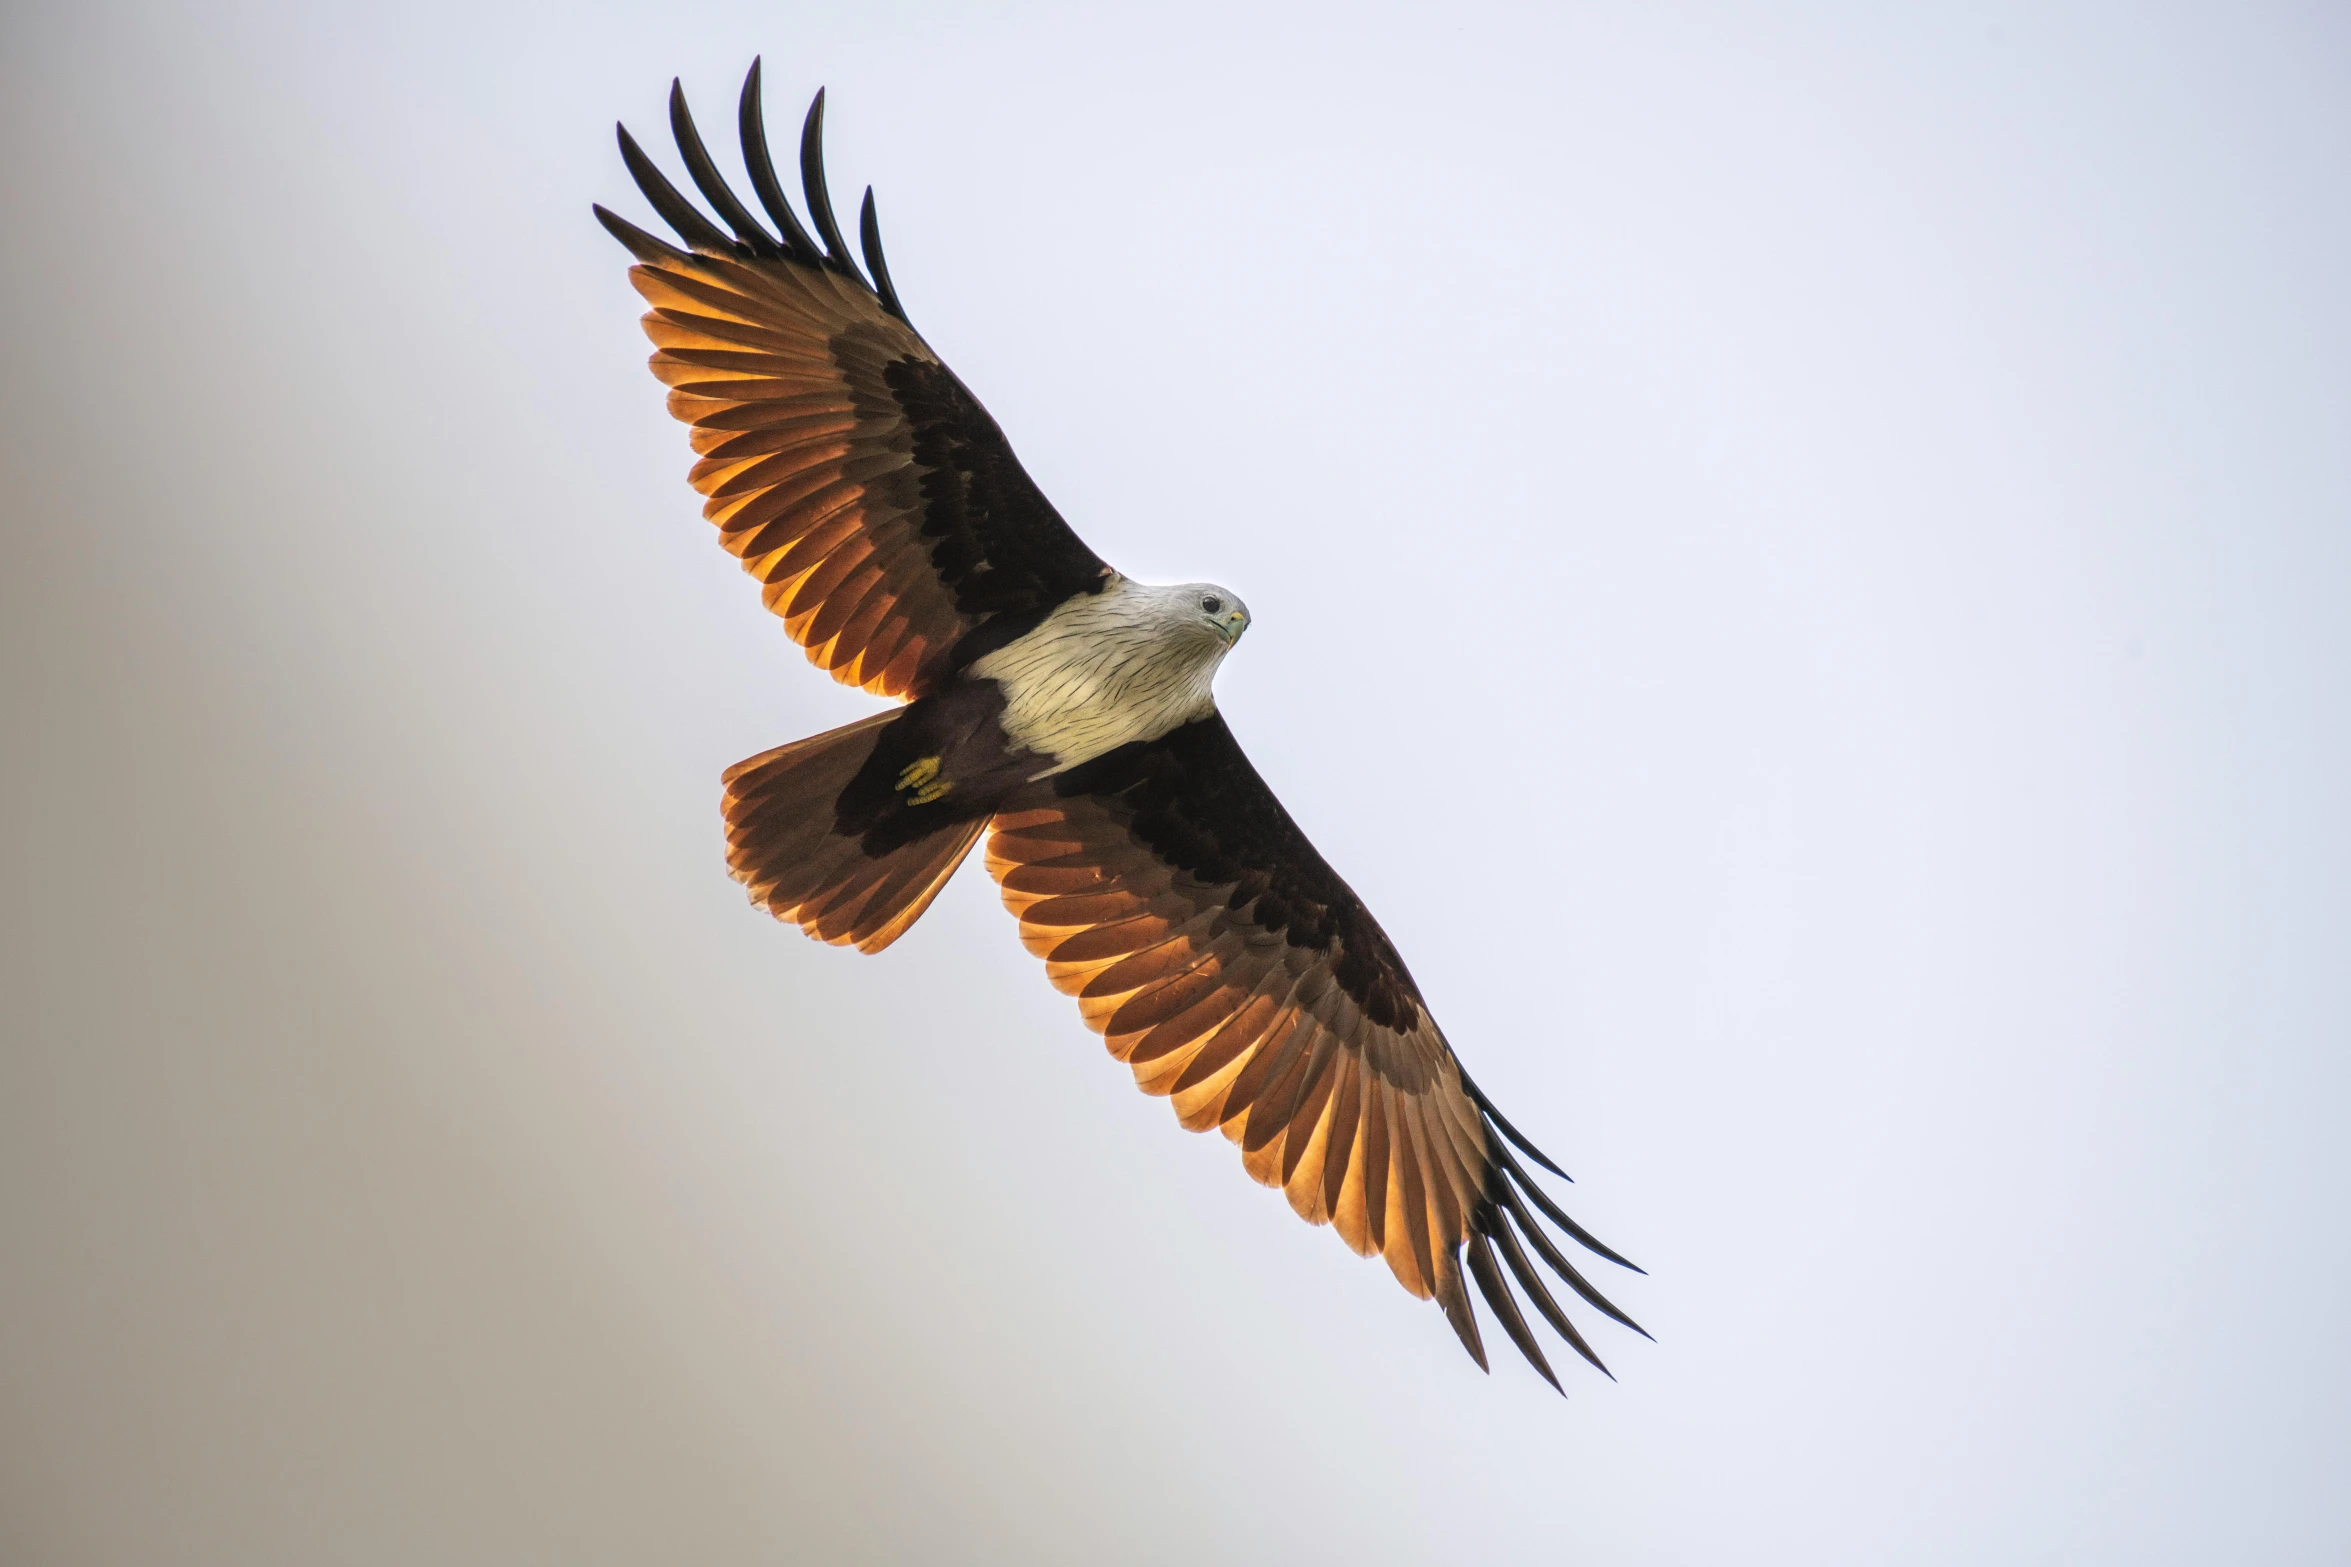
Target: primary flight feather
1066, 711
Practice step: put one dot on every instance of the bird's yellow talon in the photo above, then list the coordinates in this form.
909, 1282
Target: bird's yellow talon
921, 782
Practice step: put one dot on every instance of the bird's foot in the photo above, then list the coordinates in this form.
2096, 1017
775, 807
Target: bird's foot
921, 783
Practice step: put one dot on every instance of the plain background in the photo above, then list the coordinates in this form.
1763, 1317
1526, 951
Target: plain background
1799, 556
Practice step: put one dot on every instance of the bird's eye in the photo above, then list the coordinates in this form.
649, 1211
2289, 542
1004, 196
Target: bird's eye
1213, 604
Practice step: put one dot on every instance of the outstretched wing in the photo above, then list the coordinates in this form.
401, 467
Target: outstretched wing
1222, 959
845, 466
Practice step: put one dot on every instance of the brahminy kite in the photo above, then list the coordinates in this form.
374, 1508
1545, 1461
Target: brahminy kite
1066, 711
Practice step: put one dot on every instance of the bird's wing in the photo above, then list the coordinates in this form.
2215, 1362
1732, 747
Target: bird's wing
1223, 960
845, 466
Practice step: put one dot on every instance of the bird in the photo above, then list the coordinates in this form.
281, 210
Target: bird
1066, 712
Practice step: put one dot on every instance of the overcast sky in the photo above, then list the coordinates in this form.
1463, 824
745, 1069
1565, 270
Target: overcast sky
1799, 557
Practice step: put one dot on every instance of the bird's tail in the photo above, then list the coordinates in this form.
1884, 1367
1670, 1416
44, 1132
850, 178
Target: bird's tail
784, 844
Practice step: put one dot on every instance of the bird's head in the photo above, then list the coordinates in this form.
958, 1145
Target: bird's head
1196, 622
1220, 610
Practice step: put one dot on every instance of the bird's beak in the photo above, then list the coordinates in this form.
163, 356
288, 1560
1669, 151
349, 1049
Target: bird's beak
1234, 625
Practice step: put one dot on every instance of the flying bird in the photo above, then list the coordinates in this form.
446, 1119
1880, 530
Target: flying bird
1066, 711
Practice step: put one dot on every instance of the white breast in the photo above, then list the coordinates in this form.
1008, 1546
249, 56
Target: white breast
1103, 670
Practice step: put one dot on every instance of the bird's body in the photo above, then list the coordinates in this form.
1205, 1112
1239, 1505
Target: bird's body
1067, 712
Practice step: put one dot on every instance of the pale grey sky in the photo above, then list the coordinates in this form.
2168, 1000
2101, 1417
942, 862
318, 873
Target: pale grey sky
1799, 558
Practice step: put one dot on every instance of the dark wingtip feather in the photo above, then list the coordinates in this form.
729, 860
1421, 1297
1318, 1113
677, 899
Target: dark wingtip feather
869, 236
1558, 1216
1464, 1317
707, 178
679, 213
751, 125
643, 246
1498, 1296
1497, 1223
1559, 1264
1502, 1124
812, 188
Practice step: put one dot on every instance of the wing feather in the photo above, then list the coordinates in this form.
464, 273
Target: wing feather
1257, 1019
1409, 1255
1340, 1177
1205, 1057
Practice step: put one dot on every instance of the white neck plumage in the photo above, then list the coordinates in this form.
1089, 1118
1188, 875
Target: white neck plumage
1106, 669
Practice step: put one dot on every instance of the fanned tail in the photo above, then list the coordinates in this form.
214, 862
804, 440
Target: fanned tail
782, 843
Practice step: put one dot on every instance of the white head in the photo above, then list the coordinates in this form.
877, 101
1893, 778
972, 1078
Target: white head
1199, 614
